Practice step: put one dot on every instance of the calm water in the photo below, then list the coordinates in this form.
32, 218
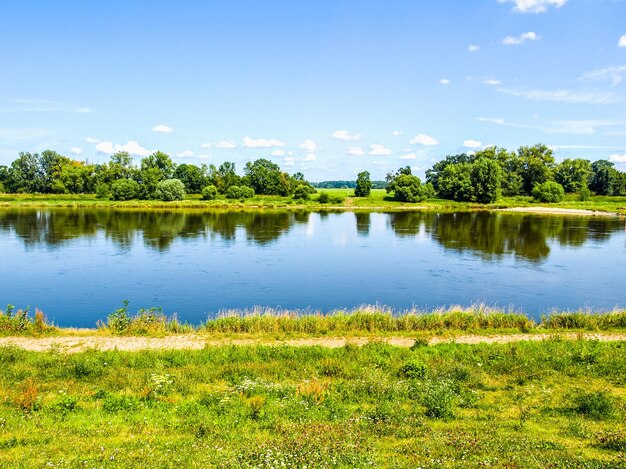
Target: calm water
79, 265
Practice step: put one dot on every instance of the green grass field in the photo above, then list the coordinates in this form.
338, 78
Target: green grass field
553, 403
340, 199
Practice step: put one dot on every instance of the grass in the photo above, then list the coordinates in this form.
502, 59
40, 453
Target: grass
339, 199
531, 404
366, 320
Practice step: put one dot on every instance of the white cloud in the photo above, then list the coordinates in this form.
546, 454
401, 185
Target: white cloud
278, 153
185, 154
308, 145
444, 81
576, 127
396, 133
346, 136
76, 150
377, 149
472, 144
618, 158
513, 41
289, 160
622, 41
534, 6
206, 145
262, 142
408, 156
492, 82
162, 128
422, 139
612, 74
356, 151
226, 144
43, 105
310, 157
132, 147
92, 140
563, 96
473, 48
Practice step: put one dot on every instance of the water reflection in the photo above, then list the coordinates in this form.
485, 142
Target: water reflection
488, 235
494, 235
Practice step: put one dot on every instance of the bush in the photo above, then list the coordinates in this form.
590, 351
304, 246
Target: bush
103, 191
302, 192
549, 192
170, 189
209, 192
125, 189
596, 404
438, 397
584, 193
239, 192
413, 370
323, 198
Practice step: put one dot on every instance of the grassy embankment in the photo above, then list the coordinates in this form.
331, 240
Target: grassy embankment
340, 199
542, 404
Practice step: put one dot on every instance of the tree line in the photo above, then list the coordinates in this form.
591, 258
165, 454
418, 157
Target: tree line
481, 177
156, 177
488, 174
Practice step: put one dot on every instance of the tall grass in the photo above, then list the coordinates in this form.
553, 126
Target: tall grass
21, 322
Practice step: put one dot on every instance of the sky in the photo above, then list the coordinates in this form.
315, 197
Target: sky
328, 88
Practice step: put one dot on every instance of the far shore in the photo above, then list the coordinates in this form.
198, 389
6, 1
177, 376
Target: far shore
560, 211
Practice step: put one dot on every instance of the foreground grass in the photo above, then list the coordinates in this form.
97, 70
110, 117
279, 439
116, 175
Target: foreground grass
341, 199
545, 404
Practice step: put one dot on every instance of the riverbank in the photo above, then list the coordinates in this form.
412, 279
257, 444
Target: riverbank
341, 199
548, 403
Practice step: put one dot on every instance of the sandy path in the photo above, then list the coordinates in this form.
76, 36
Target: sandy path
195, 341
559, 211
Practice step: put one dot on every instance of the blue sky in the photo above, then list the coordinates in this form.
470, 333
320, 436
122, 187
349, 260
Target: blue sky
328, 88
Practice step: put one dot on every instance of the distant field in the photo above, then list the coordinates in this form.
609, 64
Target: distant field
339, 199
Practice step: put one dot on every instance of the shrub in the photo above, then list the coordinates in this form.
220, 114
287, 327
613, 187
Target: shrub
239, 192
323, 198
209, 192
170, 189
302, 192
413, 370
103, 191
549, 192
337, 199
439, 397
119, 320
595, 404
584, 193
125, 189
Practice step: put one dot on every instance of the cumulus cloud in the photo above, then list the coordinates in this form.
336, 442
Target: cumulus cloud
423, 139
308, 145
444, 81
309, 157
76, 150
185, 154
278, 153
262, 142
377, 149
622, 41
289, 160
396, 133
563, 96
226, 144
132, 148
92, 140
472, 143
162, 128
534, 6
515, 40
408, 156
346, 136
206, 145
356, 151
492, 82
618, 158
473, 48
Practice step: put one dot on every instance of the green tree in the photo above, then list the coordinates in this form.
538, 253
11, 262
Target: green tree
573, 174
485, 176
536, 165
605, 179
239, 192
455, 182
548, 191
363, 185
125, 189
224, 176
193, 177
209, 192
266, 178
433, 174
25, 174
409, 188
161, 162
170, 189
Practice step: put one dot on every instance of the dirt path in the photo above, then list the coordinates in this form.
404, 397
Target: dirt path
74, 344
